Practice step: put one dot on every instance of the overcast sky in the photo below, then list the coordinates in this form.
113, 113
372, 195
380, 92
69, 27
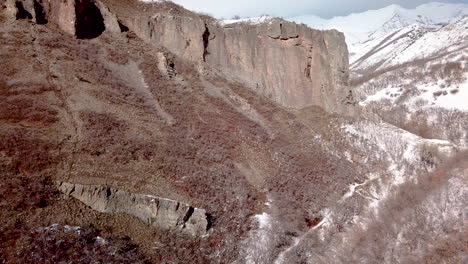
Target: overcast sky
288, 8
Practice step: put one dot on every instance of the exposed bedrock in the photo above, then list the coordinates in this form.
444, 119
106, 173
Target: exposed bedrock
292, 64
155, 211
83, 18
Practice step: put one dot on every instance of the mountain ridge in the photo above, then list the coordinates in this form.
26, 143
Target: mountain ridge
357, 28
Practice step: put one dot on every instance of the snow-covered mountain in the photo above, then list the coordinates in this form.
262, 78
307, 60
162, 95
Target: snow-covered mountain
409, 67
411, 43
361, 28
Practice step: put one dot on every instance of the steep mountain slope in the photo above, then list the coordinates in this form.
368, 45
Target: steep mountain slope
163, 155
412, 43
371, 25
417, 78
120, 112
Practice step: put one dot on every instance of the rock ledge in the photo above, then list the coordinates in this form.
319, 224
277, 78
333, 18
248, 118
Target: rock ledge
155, 211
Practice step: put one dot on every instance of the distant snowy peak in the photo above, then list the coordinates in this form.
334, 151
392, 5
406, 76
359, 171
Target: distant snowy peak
411, 43
250, 20
373, 24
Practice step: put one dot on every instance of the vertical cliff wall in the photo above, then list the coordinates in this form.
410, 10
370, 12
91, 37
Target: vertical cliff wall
291, 64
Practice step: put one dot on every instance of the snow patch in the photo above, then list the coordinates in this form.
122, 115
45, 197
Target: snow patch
397, 147
297, 240
428, 95
250, 20
263, 220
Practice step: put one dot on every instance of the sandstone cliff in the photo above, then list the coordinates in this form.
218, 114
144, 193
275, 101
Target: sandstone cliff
292, 64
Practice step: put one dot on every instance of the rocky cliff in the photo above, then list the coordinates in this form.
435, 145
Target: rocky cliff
119, 110
291, 64
83, 18
160, 212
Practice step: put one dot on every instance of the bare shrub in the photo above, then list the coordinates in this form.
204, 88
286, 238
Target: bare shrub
415, 221
56, 244
438, 93
430, 156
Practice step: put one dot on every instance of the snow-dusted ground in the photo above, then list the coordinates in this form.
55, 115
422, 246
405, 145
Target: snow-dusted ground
402, 153
410, 43
428, 95
394, 159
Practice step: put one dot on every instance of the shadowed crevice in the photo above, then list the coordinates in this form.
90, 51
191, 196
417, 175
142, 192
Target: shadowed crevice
21, 12
210, 219
41, 18
206, 42
89, 20
123, 28
188, 214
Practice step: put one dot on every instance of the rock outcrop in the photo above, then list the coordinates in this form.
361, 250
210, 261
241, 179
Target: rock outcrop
83, 18
155, 211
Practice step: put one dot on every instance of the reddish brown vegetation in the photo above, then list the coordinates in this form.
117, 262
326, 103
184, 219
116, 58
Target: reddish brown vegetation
21, 103
26, 153
196, 156
64, 244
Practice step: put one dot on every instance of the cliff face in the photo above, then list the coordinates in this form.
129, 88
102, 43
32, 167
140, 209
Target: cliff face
291, 64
